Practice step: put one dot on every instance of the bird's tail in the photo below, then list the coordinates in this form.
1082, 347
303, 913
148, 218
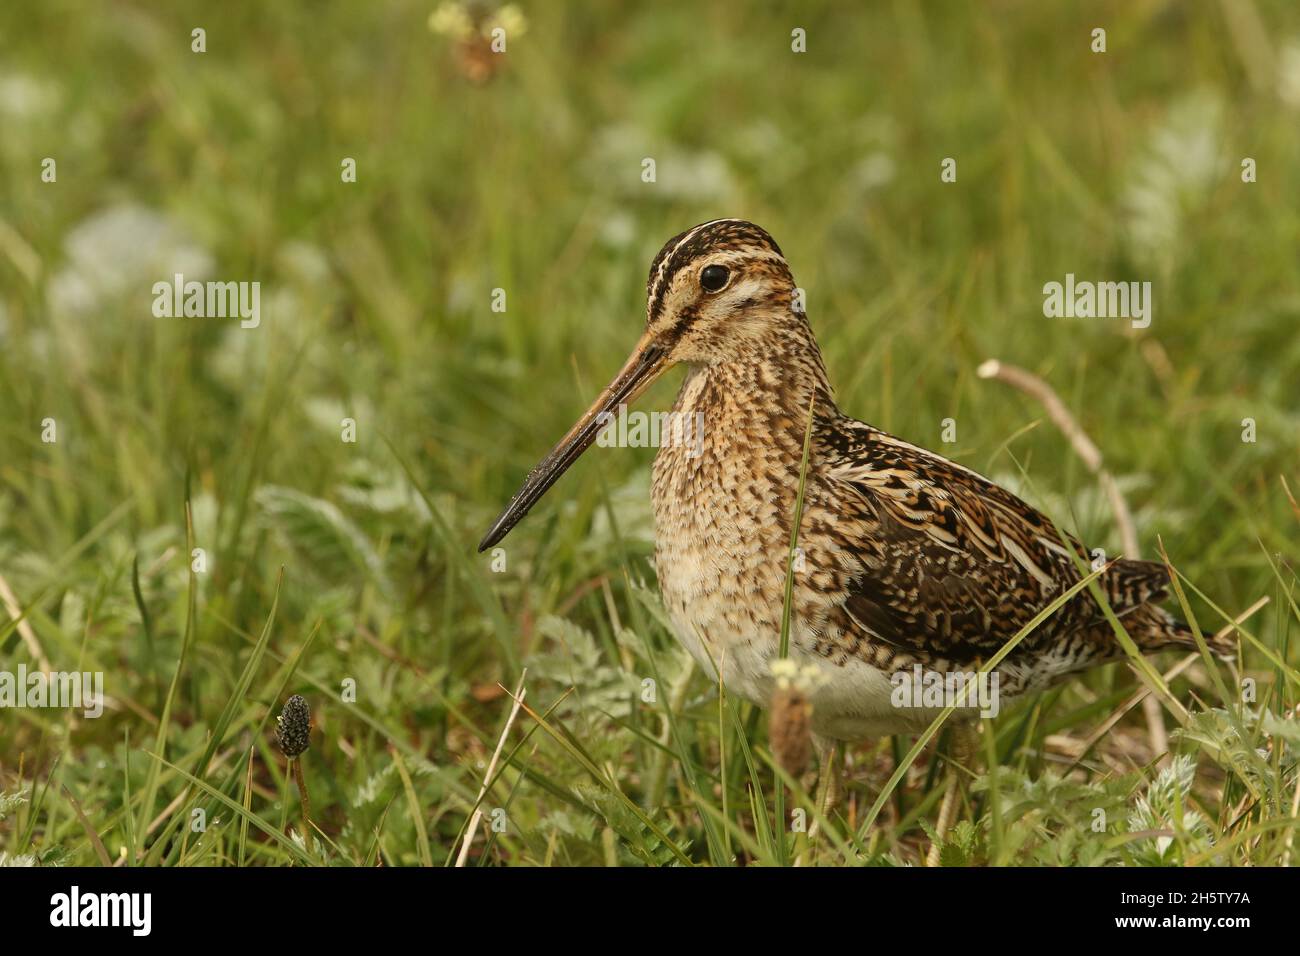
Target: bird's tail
1135, 590
1153, 628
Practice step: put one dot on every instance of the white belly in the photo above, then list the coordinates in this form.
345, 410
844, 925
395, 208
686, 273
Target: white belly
852, 701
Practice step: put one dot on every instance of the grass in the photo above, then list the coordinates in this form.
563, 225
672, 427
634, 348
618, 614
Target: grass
346, 571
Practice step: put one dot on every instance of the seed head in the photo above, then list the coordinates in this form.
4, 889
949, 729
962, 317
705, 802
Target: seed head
293, 726
789, 729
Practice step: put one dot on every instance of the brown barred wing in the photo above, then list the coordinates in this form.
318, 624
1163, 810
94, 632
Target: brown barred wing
952, 565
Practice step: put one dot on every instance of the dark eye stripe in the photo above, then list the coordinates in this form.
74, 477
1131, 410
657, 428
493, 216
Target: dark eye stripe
686, 320
684, 249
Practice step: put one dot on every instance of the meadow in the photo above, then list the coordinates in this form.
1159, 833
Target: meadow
216, 517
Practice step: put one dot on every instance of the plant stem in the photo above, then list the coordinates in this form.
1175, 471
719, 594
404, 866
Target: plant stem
305, 801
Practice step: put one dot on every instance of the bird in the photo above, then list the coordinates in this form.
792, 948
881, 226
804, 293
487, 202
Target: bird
908, 563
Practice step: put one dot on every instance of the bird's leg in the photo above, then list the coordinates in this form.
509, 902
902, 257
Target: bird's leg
829, 791
962, 745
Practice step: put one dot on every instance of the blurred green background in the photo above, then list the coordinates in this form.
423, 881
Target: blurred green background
522, 171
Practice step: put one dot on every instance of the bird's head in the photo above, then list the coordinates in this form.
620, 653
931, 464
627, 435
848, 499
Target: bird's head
718, 293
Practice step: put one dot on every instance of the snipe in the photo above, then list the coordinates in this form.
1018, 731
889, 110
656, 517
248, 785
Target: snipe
907, 558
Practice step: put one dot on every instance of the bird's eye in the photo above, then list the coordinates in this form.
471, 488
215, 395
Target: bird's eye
714, 278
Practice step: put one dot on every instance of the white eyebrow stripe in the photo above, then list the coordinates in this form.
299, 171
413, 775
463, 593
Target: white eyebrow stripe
745, 254
663, 266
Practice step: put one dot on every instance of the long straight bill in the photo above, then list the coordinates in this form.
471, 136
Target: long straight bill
646, 364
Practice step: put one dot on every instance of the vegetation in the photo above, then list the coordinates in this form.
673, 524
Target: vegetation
345, 571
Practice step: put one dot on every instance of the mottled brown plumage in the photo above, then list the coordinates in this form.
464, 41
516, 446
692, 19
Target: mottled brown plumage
906, 557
